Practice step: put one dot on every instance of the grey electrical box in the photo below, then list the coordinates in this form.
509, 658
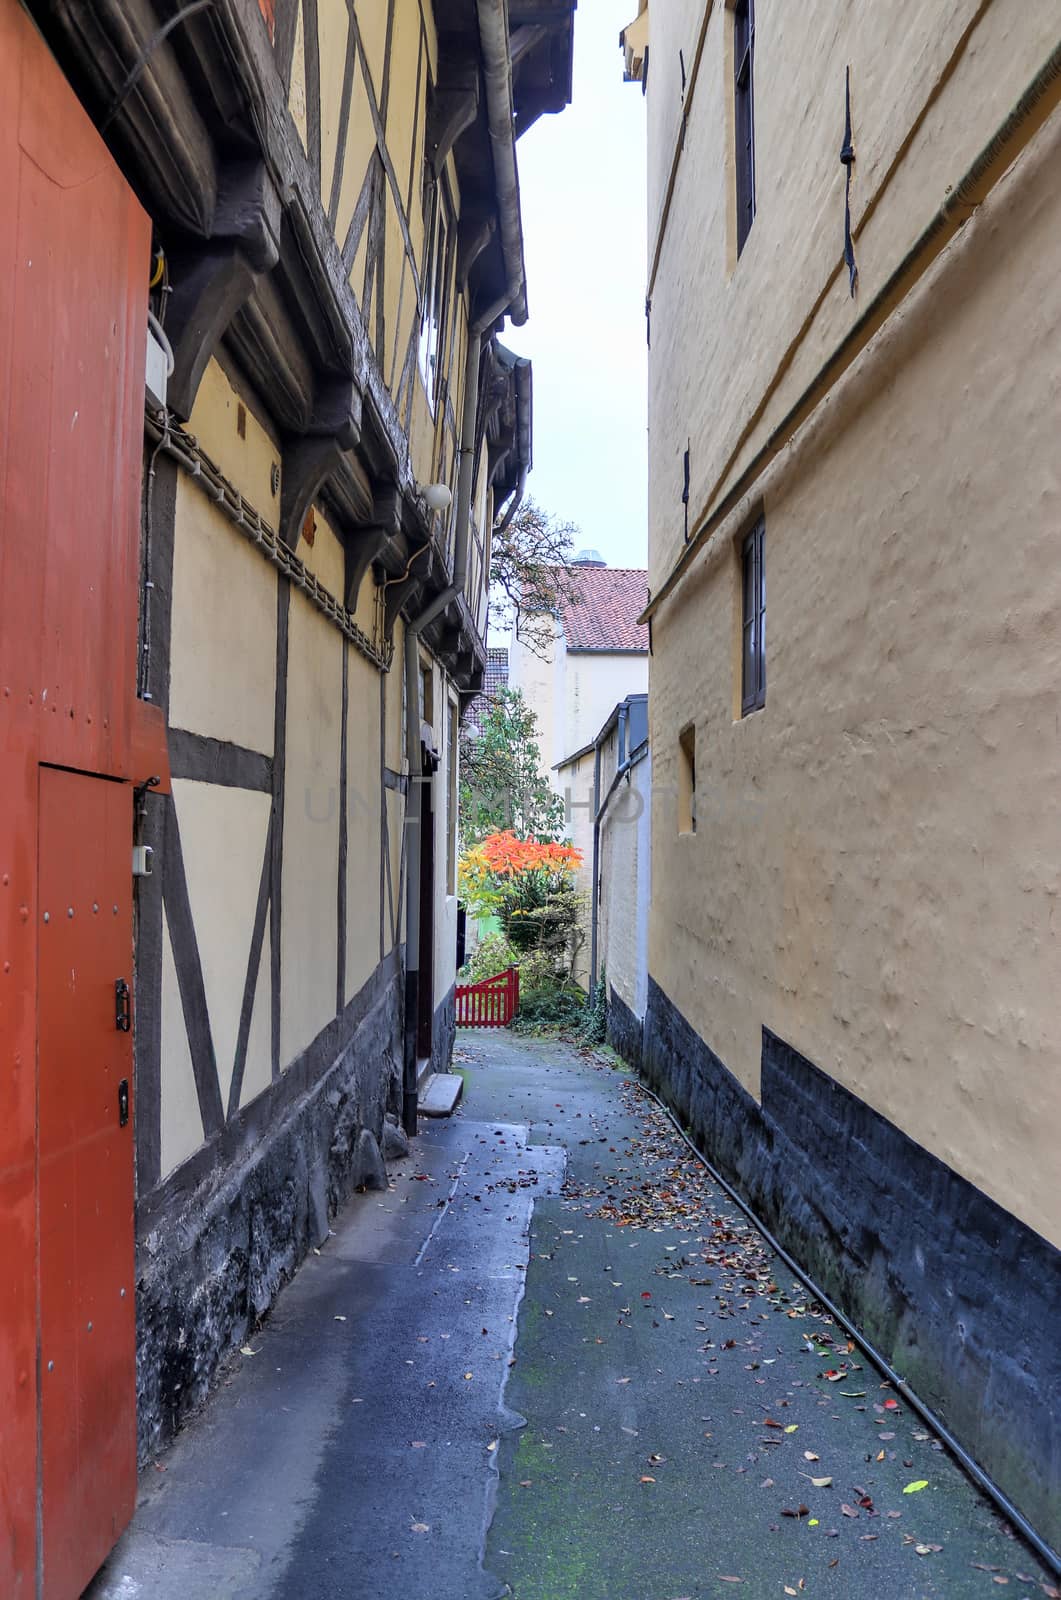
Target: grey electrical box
157, 365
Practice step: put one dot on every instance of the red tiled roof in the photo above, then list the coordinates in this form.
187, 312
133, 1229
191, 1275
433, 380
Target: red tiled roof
604, 613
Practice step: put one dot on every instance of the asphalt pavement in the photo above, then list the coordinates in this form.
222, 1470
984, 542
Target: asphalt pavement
553, 1360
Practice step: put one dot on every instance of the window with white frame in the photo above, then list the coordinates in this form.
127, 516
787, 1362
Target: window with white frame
434, 312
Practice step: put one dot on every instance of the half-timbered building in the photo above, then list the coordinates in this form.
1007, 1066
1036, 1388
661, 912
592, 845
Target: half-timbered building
237, 627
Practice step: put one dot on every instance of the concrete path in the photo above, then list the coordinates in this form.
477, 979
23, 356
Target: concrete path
681, 1435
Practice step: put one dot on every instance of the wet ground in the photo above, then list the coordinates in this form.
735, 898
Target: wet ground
555, 1361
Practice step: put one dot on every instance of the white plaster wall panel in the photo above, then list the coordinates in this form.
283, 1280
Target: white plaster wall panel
223, 646
181, 1124
363, 834
246, 458
334, 27
577, 781
445, 904
642, 785
324, 557
535, 677
595, 684
223, 843
308, 926
623, 916
394, 691
394, 917
875, 871
258, 1069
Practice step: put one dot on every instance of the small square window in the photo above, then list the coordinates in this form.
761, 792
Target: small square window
687, 780
753, 619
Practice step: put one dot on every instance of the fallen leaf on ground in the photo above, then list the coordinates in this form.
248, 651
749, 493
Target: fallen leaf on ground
916, 1486
420, 1527
793, 1427
849, 1511
808, 1455
646, 1479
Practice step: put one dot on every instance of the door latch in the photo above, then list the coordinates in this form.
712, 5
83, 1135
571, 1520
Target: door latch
123, 1010
123, 1102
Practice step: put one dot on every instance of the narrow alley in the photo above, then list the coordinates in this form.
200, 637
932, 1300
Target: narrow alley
552, 1360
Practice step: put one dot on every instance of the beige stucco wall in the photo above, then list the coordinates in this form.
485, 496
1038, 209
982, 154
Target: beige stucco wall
223, 635
362, 822
224, 622
308, 929
572, 693
875, 871
535, 677
713, 353
594, 683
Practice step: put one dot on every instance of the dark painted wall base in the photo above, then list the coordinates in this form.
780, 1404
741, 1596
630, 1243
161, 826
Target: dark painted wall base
226, 1231
958, 1294
624, 1030
443, 1033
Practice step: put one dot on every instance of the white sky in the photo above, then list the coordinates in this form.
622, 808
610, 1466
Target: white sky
582, 185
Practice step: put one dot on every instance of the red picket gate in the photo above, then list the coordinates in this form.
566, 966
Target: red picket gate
492, 1003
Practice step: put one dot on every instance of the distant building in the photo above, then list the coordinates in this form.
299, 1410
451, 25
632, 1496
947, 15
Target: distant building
495, 678
596, 653
853, 296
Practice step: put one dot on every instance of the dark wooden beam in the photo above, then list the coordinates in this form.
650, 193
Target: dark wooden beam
310, 459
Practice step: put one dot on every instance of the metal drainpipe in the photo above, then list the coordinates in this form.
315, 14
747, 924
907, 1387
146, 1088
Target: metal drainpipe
514, 504
596, 870
497, 75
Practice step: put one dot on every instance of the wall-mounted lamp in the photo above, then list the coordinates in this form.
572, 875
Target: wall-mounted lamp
437, 496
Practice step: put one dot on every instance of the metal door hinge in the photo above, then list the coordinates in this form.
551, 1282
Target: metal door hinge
123, 1010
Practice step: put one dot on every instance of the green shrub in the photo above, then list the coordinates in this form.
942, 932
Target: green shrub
491, 955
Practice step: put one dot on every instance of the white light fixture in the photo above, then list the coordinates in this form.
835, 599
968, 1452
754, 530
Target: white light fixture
438, 496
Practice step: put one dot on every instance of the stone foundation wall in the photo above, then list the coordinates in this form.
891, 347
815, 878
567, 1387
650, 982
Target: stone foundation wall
218, 1240
959, 1294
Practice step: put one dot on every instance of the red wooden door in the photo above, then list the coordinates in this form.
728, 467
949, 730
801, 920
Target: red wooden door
85, 1165
74, 260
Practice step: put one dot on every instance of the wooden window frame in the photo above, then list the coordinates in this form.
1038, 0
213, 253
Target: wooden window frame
753, 618
687, 780
434, 314
744, 116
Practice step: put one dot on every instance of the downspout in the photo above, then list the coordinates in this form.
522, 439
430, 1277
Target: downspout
497, 73
594, 885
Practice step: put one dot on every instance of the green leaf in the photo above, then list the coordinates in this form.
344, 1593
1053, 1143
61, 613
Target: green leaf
916, 1486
